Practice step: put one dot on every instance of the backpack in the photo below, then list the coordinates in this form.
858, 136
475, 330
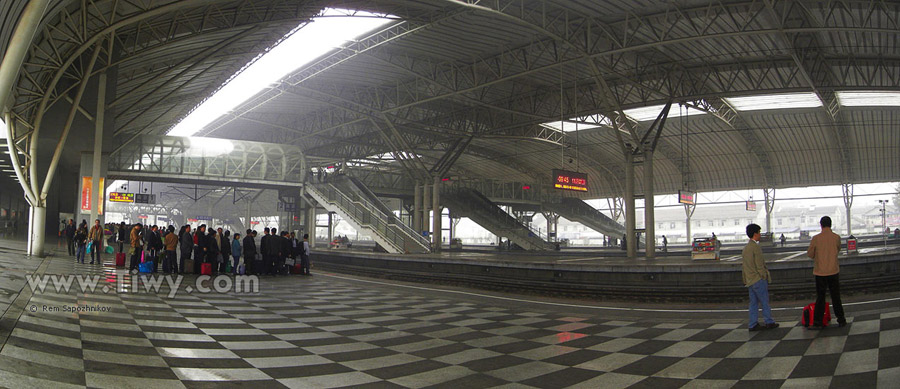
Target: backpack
806, 318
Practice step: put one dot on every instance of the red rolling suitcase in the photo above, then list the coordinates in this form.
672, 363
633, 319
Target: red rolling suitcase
206, 269
120, 259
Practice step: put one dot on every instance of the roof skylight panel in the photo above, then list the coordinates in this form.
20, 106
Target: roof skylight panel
869, 98
775, 101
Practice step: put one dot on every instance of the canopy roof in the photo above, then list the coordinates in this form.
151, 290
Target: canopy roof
455, 81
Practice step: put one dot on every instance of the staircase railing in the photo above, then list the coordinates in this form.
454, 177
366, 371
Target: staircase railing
388, 217
477, 202
588, 214
362, 212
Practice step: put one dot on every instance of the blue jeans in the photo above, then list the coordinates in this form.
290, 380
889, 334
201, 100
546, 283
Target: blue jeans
79, 253
759, 295
95, 251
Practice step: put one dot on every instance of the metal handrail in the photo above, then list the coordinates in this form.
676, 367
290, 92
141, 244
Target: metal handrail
581, 208
388, 218
504, 220
365, 216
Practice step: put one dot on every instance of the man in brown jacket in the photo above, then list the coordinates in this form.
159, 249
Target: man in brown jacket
137, 247
96, 237
823, 250
756, 279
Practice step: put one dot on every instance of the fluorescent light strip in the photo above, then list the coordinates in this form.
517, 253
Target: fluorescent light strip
332, 29
775, 101
869, 99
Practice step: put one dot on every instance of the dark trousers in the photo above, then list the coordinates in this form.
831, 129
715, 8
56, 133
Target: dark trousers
70, 243
96, 247
198, 259
304, 264
278, 265
249, 259
135, 258
169, 262
185, 255
832, 284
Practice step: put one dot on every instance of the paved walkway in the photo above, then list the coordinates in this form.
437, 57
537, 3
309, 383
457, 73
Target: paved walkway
330, 330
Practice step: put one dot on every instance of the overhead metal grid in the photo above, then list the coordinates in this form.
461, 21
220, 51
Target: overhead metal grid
496, 70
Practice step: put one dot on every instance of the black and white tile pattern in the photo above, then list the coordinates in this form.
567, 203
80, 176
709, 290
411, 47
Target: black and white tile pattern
327, 331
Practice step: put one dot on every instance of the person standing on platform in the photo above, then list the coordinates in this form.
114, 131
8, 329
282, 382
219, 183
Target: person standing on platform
122, 237
226, 251
214, 253
273, 248
249, 249
80, 240
665, 244
171, 243
137, 247
263, 252
783, 240
154, 243
304, 256
236, 253
202, 248
823, 249
295, 247
70, 236
756, 279
285, 252
96, 238
187, 245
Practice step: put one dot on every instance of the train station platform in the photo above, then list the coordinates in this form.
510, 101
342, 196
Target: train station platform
338, 330
607, 274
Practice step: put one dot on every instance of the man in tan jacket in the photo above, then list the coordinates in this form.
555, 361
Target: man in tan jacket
824, 250
756, 279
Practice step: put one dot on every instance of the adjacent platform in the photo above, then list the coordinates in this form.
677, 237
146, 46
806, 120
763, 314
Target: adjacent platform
607, 274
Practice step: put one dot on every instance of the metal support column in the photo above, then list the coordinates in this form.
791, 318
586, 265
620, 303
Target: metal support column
630, 243
311, 223
770, 205
649, 218
417, 209
330, 227
552, 226
426, 212
688, 213
847, 190
96, 195
436, 206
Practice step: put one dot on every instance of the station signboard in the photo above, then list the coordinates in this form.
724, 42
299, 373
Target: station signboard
119, 197
569, 180
140, 198
687, 197
751, 206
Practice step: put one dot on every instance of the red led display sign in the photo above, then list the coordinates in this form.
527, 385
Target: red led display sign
566, 180
686, 197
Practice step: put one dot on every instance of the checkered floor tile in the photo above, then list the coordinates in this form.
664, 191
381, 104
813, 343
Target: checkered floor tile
333, 331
